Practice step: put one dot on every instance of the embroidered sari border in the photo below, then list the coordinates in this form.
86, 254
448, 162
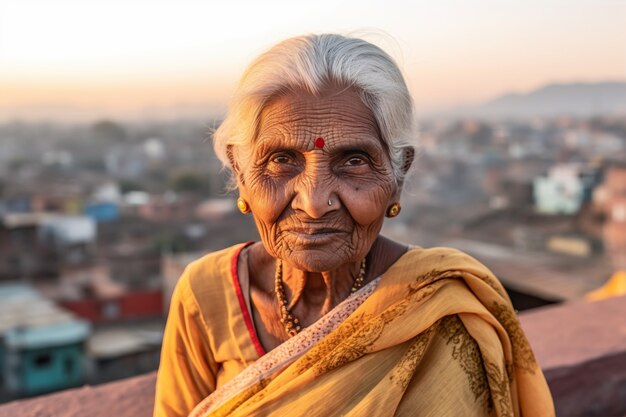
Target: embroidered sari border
286, 353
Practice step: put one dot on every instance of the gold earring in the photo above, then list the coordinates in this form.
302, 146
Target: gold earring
243, 206
393, 210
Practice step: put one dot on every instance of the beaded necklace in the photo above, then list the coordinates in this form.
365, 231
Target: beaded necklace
287, 318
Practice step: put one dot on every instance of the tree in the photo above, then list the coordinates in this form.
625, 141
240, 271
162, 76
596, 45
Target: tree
109, 131
190, 182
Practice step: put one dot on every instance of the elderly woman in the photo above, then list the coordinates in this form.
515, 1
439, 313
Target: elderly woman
324, 316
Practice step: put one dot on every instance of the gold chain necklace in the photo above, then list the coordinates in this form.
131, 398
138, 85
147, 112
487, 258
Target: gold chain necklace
287, 318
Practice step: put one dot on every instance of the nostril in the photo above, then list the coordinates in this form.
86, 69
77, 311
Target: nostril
315, 205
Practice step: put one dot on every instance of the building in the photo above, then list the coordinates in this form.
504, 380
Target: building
610, 199
565, 188
23, 255
41, 344
135, 305
71, 238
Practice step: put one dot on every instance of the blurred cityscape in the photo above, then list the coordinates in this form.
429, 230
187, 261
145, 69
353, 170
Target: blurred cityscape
97, 221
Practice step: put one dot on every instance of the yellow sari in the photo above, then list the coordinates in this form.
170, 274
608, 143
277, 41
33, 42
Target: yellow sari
436, 337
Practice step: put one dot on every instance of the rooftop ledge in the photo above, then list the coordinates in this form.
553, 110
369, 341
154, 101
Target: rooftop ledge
580, 345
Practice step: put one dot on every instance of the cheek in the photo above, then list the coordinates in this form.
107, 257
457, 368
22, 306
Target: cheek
267, 208
367, 206
268, 201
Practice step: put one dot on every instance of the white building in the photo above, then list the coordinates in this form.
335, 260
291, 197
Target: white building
561, 191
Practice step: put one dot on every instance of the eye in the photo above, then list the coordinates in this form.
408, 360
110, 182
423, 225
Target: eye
281, 159
355, 161
283, 162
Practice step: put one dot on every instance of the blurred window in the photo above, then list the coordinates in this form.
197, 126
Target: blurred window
68, 366
43, 360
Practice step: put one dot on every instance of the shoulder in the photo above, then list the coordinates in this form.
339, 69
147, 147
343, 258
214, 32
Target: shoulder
212, 267
445, 261
209, 275
445, 257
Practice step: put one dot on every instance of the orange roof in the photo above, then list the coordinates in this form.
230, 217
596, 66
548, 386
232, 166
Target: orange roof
615, 286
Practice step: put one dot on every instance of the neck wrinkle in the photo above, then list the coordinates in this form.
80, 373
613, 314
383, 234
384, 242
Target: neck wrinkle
334, 289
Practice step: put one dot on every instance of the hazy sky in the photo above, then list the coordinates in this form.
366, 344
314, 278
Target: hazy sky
125, 58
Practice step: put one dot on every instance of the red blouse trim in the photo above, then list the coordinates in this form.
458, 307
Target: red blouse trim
247, 318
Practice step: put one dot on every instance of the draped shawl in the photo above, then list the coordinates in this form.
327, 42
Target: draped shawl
435, 335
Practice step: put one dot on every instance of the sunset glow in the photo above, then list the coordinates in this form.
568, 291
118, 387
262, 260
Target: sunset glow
124, 58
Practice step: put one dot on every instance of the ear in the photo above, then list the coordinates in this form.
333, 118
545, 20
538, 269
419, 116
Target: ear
233, 164
408, 155
231, 159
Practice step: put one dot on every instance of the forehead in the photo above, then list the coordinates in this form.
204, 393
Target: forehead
299, 118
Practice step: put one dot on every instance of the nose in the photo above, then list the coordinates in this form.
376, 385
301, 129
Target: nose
315, 195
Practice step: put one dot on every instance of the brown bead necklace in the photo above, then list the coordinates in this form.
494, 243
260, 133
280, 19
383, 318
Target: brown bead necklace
287, 318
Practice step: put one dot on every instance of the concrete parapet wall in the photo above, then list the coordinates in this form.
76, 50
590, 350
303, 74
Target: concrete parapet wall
581, 347
132, 397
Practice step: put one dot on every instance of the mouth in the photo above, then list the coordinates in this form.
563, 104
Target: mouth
314, 231
315, 235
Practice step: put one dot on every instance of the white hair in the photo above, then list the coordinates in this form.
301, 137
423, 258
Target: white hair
312, 63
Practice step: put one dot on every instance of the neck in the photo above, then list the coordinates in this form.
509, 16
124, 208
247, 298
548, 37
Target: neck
309, 295
318, 292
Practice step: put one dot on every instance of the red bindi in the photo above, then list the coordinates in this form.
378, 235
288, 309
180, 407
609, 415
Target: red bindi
319, 143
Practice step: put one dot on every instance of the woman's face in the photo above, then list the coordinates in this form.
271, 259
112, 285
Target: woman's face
290, 180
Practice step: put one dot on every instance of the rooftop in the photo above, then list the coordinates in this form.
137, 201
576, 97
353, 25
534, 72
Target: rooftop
581, 347
29, 319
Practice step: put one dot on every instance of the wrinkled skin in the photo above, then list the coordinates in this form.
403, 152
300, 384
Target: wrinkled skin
288, 184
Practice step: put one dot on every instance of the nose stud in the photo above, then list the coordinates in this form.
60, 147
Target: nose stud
330, 203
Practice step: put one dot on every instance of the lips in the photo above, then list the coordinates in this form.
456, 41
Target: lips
314, 231
315, 236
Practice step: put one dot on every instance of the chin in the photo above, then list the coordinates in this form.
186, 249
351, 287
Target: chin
315, 260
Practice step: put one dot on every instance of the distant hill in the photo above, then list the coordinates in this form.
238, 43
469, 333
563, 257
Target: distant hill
575, 99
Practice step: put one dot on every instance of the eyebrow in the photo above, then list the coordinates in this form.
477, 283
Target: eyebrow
367, 146
367, 143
